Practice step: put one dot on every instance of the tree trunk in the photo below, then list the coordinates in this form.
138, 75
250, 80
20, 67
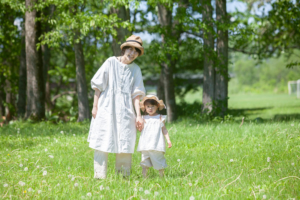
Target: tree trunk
221, 87
165, 19
208, 71
122, 33
9, 107
35, 85
21, 105
160, 87
83, 105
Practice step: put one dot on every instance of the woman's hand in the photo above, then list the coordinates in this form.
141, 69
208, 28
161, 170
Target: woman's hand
94, 111
139, 123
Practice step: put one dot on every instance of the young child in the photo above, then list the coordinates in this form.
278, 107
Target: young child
152, 142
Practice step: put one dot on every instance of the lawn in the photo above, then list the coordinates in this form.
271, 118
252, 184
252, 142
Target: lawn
207, 161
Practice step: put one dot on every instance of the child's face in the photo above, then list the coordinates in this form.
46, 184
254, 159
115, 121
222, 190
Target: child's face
151, 109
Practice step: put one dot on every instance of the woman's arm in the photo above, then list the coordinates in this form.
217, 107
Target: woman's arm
95, 104
166, 134
139, 120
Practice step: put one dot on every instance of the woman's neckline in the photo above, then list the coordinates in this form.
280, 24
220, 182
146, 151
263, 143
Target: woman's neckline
121, 62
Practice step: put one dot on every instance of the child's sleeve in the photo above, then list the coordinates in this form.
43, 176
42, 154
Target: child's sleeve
138, 88
100, 79
163, 120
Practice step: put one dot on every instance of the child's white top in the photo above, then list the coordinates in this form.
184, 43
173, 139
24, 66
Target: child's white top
152, 137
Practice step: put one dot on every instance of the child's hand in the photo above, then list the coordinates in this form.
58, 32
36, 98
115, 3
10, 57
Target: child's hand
169, 144
94, 112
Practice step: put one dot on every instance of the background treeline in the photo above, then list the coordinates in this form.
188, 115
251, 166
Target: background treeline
51, 49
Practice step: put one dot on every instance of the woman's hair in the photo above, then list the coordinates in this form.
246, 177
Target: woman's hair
127, 47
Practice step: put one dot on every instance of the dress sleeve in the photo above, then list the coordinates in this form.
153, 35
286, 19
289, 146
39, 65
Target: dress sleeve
163, 119
138, 88
100, 79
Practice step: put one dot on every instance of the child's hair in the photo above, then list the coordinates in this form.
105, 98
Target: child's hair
151, 102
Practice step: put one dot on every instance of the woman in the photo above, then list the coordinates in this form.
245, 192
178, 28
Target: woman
118, 85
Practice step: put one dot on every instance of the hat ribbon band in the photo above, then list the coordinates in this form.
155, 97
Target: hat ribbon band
133, 41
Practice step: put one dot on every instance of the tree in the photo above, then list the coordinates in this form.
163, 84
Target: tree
35, 85
208, 95
221, 74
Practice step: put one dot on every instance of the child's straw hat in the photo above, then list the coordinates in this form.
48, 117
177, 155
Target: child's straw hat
161, 104
134, 41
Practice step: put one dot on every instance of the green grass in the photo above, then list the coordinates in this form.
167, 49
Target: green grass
205, 170
267, 106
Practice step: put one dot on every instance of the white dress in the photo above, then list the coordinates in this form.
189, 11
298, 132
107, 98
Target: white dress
152, 137
113, 130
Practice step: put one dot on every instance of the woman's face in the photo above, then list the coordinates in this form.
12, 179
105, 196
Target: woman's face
130, 55
150, 109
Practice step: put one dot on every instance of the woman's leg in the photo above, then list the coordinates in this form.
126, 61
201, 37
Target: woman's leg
100, 164
123, 163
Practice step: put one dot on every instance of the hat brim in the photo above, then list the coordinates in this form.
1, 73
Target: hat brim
160, 103
133, 44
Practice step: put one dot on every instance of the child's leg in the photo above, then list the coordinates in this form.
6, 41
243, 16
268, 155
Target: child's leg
100, 164
146, 162
123, 163
161, 172
159, 161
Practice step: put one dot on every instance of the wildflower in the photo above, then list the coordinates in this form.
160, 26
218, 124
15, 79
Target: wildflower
156, 193
29, 189
231, 160
268, 159
191, 173
73, 179
136, 182
43, 181
5, 185
24, 191
46, 150
76, 184
26, 169
19, 156
74, 135
58, 184
264, 196
74, 148
21, 165
6, 149
61, 132
101, 196
178, 160
175, 193
101, 187
26, 159
147, 192
293, 164
140, 189
134, 189
38, 166
89, 194
39, 191
192, 162
190, 184
107, 188
44, 173
69, 176
292, 124
270, 176
192, 198
50, 156
21, 183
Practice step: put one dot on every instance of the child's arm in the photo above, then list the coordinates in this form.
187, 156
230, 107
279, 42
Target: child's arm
166, 134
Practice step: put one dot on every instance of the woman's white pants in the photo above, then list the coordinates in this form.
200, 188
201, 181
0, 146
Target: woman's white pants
123, 164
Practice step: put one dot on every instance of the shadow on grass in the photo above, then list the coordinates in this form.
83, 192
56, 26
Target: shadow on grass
247, 111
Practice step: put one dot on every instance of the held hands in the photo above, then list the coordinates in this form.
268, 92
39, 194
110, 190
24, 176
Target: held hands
169, 144
94, 111
139, 123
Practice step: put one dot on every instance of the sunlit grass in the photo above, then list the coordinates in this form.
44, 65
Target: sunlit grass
207, 161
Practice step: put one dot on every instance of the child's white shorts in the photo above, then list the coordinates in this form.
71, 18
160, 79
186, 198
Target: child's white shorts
153, 158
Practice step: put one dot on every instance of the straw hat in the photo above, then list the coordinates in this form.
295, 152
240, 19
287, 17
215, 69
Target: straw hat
134, 41
161, 104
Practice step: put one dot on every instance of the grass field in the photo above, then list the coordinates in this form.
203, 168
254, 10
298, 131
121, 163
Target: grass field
207, 161
266, 106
